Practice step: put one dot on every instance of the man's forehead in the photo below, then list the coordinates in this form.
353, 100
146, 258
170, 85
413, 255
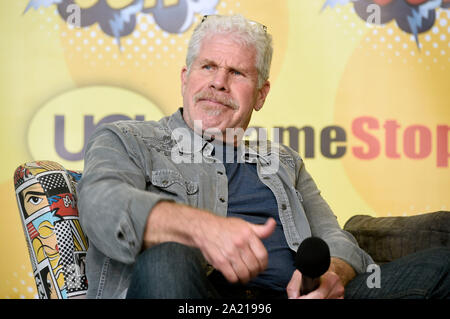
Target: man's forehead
227, 52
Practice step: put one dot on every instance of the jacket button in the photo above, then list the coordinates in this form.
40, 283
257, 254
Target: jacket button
283, 206
222, 199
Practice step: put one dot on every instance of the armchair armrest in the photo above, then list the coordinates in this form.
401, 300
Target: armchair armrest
47, 200
389, 238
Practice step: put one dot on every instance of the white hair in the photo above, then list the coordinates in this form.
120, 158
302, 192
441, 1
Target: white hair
245, 31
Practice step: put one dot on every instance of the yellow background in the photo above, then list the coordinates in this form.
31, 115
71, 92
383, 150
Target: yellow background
329, 68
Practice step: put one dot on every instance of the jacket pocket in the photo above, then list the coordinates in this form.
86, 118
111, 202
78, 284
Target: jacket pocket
175, 185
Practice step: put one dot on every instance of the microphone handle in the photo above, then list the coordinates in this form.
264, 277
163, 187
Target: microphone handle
309, 284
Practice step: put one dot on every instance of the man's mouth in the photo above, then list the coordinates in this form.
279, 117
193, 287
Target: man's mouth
215, 100
210, 101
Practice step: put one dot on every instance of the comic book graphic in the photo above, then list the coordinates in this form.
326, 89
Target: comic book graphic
46, 196
411, 16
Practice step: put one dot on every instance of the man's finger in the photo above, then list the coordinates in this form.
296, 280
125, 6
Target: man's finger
293, 287
241, 270
223, 265
233, 256
252, 261
264, 231
260, 252
330, 288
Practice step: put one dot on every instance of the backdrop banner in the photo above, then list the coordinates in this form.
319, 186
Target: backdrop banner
360, 88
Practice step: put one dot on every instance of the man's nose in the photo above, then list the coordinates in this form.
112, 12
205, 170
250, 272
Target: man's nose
219, 80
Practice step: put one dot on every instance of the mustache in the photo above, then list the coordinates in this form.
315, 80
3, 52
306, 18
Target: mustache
209, 95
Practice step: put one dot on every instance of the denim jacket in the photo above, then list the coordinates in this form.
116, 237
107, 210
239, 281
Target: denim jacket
132, 165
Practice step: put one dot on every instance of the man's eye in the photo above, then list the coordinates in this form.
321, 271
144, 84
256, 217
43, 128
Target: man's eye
236, 72
34, 200
207, 67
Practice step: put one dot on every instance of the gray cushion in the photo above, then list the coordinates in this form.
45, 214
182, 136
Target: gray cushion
389, 238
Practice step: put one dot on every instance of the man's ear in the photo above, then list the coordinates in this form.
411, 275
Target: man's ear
262, 94
184, 74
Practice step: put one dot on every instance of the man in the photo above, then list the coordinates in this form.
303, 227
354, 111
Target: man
169, 215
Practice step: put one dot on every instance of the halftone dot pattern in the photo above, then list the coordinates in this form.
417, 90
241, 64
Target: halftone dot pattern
146, 46
149, 45
389, 41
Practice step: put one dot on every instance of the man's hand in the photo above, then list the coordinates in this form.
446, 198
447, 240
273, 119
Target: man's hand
231, 245
330, 287
331, 283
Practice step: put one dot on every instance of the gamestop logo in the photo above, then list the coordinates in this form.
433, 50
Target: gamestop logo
371, 138
412, 142
417, 140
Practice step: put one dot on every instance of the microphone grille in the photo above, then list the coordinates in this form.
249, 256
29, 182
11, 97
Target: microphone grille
313, 257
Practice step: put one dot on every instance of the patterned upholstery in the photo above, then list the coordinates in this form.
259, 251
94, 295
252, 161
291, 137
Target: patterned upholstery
46, 196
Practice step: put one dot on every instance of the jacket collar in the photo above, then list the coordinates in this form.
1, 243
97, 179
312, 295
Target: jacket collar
187, 141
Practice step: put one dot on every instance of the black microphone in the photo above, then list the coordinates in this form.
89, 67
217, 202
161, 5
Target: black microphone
312, 260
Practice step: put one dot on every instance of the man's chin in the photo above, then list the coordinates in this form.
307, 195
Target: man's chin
212, 126
212, 118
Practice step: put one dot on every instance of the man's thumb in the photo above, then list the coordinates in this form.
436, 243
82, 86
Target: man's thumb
264, 231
